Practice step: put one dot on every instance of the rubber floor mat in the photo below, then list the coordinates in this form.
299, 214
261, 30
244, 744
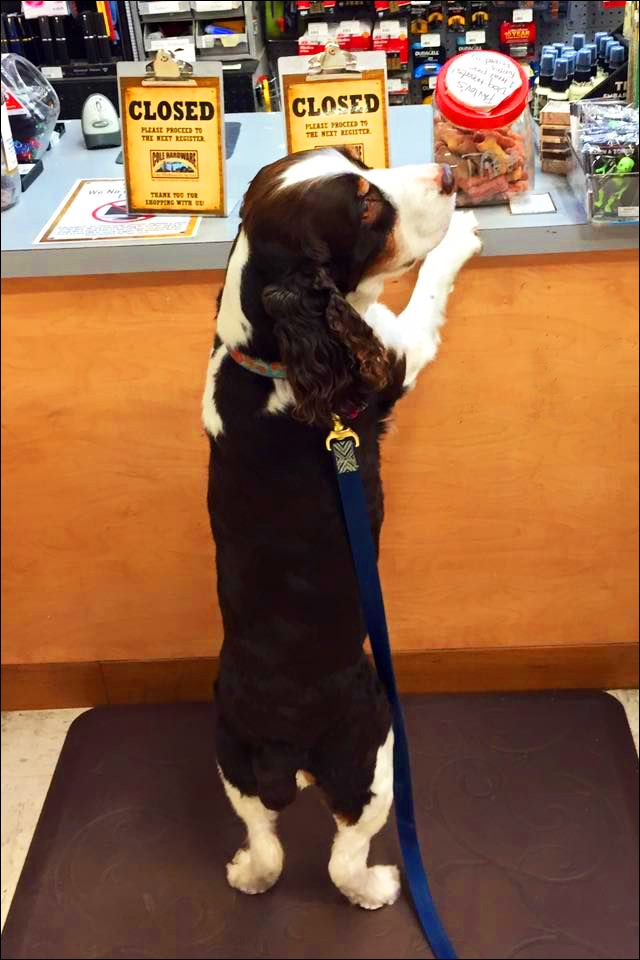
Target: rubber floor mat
528, 814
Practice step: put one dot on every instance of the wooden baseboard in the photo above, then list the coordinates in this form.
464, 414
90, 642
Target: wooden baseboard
51, 685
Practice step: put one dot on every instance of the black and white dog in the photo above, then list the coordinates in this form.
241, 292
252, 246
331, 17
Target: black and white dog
297, 700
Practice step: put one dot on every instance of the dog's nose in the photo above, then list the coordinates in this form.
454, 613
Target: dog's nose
447, 182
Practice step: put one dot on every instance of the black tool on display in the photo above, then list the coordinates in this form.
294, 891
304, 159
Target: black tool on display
13, 36
23, 32
102, 37
60, 41
89, 36
47, 41
32, 40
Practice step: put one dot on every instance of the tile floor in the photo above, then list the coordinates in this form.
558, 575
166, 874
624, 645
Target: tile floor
31, 742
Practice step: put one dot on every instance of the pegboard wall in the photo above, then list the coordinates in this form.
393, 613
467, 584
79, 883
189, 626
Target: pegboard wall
583, 16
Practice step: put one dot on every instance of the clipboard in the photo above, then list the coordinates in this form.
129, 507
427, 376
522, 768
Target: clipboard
337, 98
172, 117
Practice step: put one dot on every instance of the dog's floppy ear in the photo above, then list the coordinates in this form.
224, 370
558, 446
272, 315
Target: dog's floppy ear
333, 358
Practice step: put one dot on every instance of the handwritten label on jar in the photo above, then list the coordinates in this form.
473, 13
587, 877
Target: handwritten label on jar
483, 80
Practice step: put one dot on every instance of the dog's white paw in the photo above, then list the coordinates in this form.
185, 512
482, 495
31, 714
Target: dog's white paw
462, 236
245, 875
375, 887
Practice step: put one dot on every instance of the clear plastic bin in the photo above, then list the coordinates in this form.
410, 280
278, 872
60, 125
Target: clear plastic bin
226, 42
11, 184
482, 127
603, 169
607, 199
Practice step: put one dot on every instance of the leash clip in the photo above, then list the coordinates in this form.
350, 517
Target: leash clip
340, 432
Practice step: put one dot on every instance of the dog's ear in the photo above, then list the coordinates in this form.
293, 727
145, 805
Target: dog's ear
333, 358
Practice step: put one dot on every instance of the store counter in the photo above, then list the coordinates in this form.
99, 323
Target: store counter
261, 140
509, 557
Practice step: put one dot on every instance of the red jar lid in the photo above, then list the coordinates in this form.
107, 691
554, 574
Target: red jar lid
472, 119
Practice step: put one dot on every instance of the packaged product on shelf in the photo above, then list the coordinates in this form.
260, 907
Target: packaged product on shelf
561, 81
543, 83
483, 127
555, 149
582, 82
518, 40
354, 35
315, 39
385, 6
479, 16
426, 83
456, 17
435, 17
392, 37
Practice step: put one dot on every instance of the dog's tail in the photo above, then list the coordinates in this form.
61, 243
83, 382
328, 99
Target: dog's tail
275, 766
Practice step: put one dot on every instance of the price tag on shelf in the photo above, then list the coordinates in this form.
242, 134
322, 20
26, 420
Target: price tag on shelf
390, 28
165, 6
430, 40
522, 15
318, 31
476, 36
52, 73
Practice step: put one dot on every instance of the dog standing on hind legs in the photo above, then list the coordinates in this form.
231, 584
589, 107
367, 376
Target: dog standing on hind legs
300, 336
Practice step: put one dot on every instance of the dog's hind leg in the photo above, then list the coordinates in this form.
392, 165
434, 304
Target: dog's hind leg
368, 887
256, 866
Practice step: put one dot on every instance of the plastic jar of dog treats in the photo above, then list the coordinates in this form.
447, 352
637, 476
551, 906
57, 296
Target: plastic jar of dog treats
482, 127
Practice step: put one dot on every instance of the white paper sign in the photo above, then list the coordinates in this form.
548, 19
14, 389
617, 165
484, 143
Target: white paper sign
475, 36
430, 40
532, 203
482, 79
96, 210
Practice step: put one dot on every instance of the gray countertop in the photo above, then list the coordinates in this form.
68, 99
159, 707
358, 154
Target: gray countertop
261, 140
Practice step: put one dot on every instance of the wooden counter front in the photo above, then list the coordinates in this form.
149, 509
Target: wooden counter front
509, 554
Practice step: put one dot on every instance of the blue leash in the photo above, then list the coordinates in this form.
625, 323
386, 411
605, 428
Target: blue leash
342, 443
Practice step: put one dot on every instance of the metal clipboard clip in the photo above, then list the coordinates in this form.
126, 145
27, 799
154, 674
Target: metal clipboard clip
333, 62
166, 70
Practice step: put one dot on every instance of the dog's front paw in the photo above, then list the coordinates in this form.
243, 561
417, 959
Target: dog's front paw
375, 887
462, 236
245, 875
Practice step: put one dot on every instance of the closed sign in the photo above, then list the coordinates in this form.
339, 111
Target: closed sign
172, 138
349, 112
